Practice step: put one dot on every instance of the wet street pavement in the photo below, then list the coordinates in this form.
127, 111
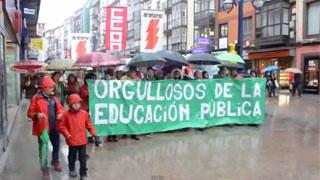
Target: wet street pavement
285, 147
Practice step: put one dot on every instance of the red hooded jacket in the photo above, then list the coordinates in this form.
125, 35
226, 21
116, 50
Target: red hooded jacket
39, 105
73, 126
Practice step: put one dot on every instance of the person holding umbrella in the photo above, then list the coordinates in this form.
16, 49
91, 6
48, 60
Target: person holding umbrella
271, 84
205, 75
109, 74
150, 74
253, 74
176, 74
197, 75
73, 85
59, 89
45, 110
84, 93
30, 85
132, 75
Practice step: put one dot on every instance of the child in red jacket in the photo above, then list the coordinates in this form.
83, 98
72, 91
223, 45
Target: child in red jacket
73, 126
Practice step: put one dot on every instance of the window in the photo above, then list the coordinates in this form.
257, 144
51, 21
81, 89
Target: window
272, 20
247, 28
223, 30
313, 18
258, 21
158, 5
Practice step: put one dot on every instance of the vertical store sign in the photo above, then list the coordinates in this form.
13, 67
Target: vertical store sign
151, 30
116, 28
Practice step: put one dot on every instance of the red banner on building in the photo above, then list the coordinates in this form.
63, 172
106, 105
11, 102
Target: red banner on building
116, 28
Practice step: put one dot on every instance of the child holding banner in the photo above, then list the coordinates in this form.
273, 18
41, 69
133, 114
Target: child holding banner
73, 126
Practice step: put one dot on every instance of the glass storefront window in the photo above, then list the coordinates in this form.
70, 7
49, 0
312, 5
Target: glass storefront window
11, 77
311, 74
3, 106
313, 18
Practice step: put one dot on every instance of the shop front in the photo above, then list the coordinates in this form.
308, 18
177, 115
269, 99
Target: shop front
311, 74
308, 60
284, 58
9, 86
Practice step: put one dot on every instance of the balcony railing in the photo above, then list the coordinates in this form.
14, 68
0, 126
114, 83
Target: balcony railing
167, 28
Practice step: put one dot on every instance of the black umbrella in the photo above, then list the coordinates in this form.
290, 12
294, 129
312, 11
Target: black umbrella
146, 60
173, 58
202, 59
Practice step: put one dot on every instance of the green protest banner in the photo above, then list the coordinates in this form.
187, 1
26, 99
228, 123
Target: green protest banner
140, 107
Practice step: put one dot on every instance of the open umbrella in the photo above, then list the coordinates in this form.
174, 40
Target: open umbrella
146, 60
97, 59
28, 66
293, 70
231, 65
229, 57
61, 64
202, 59
173, 58
270, 68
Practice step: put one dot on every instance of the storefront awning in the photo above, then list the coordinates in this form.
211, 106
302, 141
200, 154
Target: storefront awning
271, 54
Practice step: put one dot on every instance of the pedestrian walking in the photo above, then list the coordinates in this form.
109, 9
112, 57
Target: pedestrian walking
109, 74
271, 84
205, 75
84, 94
150, 74
45, 110
74, 125
176, 74
132, 74
159, 75
72, 85
296, 84
197, 75
30, 85
59, 88
253, 74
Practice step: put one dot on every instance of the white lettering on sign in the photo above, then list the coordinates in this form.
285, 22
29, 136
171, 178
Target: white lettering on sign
115, 40
116, 28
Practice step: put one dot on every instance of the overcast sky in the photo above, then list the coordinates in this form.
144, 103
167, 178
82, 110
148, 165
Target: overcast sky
54, 12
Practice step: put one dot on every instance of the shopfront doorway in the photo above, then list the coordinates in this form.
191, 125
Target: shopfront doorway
311, 74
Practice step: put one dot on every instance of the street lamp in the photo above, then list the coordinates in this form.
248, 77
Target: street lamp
258, 4
227, 6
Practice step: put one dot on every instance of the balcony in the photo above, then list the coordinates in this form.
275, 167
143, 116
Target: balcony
272, 24
204, 18
167, 29
268, 41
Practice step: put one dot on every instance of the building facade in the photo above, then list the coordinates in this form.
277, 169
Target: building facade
14, 46
55, 43
179, 26
274, 38
204, 24
226, 26
95, 39
308, 43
